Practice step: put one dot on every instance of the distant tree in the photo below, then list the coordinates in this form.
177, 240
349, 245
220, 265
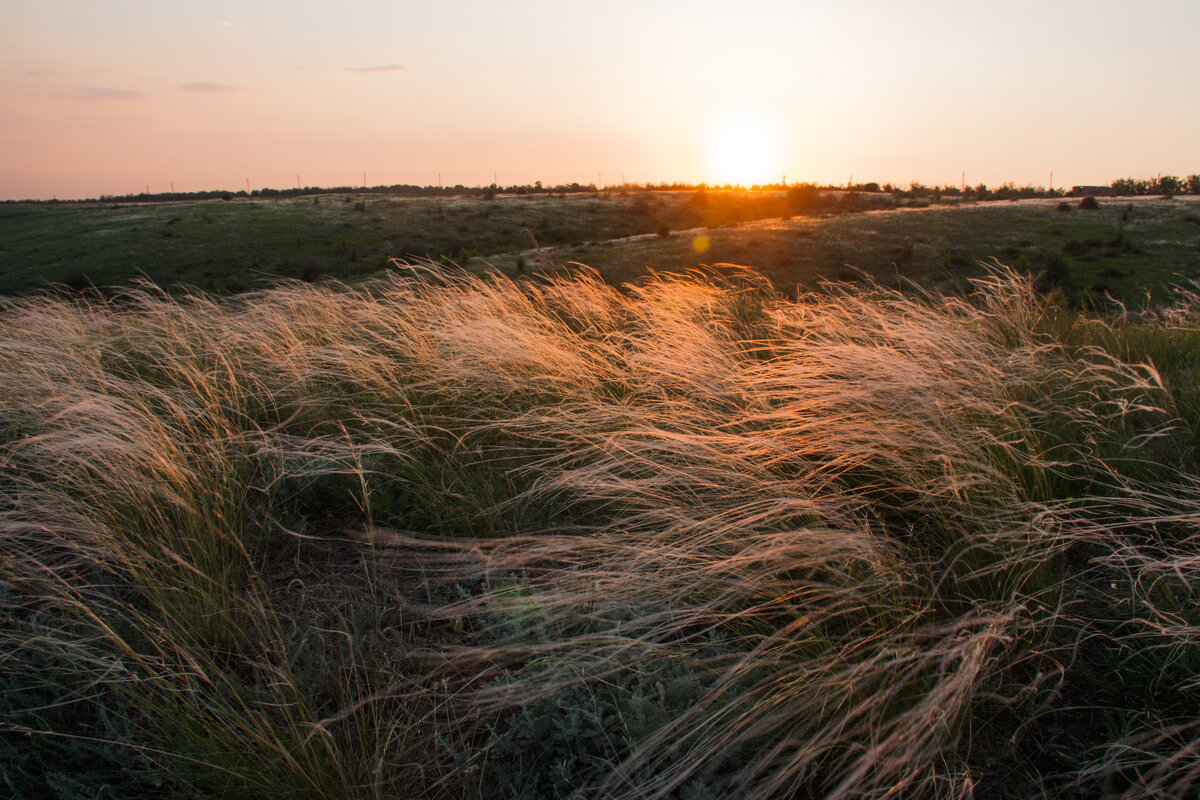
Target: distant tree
1125, 186
804, 196
1193, 184
981, 192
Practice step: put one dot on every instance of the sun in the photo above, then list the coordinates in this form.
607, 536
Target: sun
742, 148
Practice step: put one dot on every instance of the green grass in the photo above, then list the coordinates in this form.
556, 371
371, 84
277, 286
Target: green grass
451, 535
1126, 248
236, 245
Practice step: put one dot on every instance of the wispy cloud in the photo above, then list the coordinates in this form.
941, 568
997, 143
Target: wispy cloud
205, 86
100, 93
381, 68
224, 23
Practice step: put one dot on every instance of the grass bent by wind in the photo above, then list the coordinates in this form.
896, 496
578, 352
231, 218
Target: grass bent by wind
454, 535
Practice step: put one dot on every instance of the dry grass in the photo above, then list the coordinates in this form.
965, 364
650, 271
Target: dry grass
687, 540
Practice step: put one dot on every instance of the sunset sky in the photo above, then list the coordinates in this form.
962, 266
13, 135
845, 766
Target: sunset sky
111, 97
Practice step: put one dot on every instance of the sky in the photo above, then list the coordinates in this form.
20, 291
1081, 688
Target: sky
117, 96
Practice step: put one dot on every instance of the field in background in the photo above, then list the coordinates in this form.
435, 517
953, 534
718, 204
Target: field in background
1125, 248
442, 536
235, 245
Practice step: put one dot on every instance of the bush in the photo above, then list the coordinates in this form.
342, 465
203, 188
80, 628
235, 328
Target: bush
1063, 205
1089, 203
1055, 275
663, 229
804, 197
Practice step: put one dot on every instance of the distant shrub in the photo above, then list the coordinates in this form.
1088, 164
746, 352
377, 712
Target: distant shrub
1089, 203
1063, 205
1056, 273
851, 201
1120, 241
848, 273
663, 229
804, 197
77, 282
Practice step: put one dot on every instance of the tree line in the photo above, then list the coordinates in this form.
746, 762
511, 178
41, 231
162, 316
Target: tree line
801, 194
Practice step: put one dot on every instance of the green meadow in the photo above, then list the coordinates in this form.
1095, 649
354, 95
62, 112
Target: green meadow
1125, 249
872, 516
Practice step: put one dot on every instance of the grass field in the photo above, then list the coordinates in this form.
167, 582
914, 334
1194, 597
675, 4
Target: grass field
445, 535
239, 244
1126, 248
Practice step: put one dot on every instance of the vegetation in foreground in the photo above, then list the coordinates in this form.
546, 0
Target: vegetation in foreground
452, 535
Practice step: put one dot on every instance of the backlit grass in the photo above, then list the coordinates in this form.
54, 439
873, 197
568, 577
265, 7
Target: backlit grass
450, 535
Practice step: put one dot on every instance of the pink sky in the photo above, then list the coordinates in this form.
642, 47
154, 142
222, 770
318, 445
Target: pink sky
109, 98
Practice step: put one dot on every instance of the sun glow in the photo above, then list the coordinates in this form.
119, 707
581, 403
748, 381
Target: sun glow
742, 148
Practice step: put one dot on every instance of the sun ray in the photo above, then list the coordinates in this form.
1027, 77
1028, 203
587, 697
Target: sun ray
742, 148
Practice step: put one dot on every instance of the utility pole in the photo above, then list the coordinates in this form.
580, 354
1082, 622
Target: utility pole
439, 180
172, 187
364, 180
297, 180
964, 181
1052, 180
247, 186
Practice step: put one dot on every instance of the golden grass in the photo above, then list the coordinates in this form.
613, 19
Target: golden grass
866, 544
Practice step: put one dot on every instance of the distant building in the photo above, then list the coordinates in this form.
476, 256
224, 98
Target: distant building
1092, 191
